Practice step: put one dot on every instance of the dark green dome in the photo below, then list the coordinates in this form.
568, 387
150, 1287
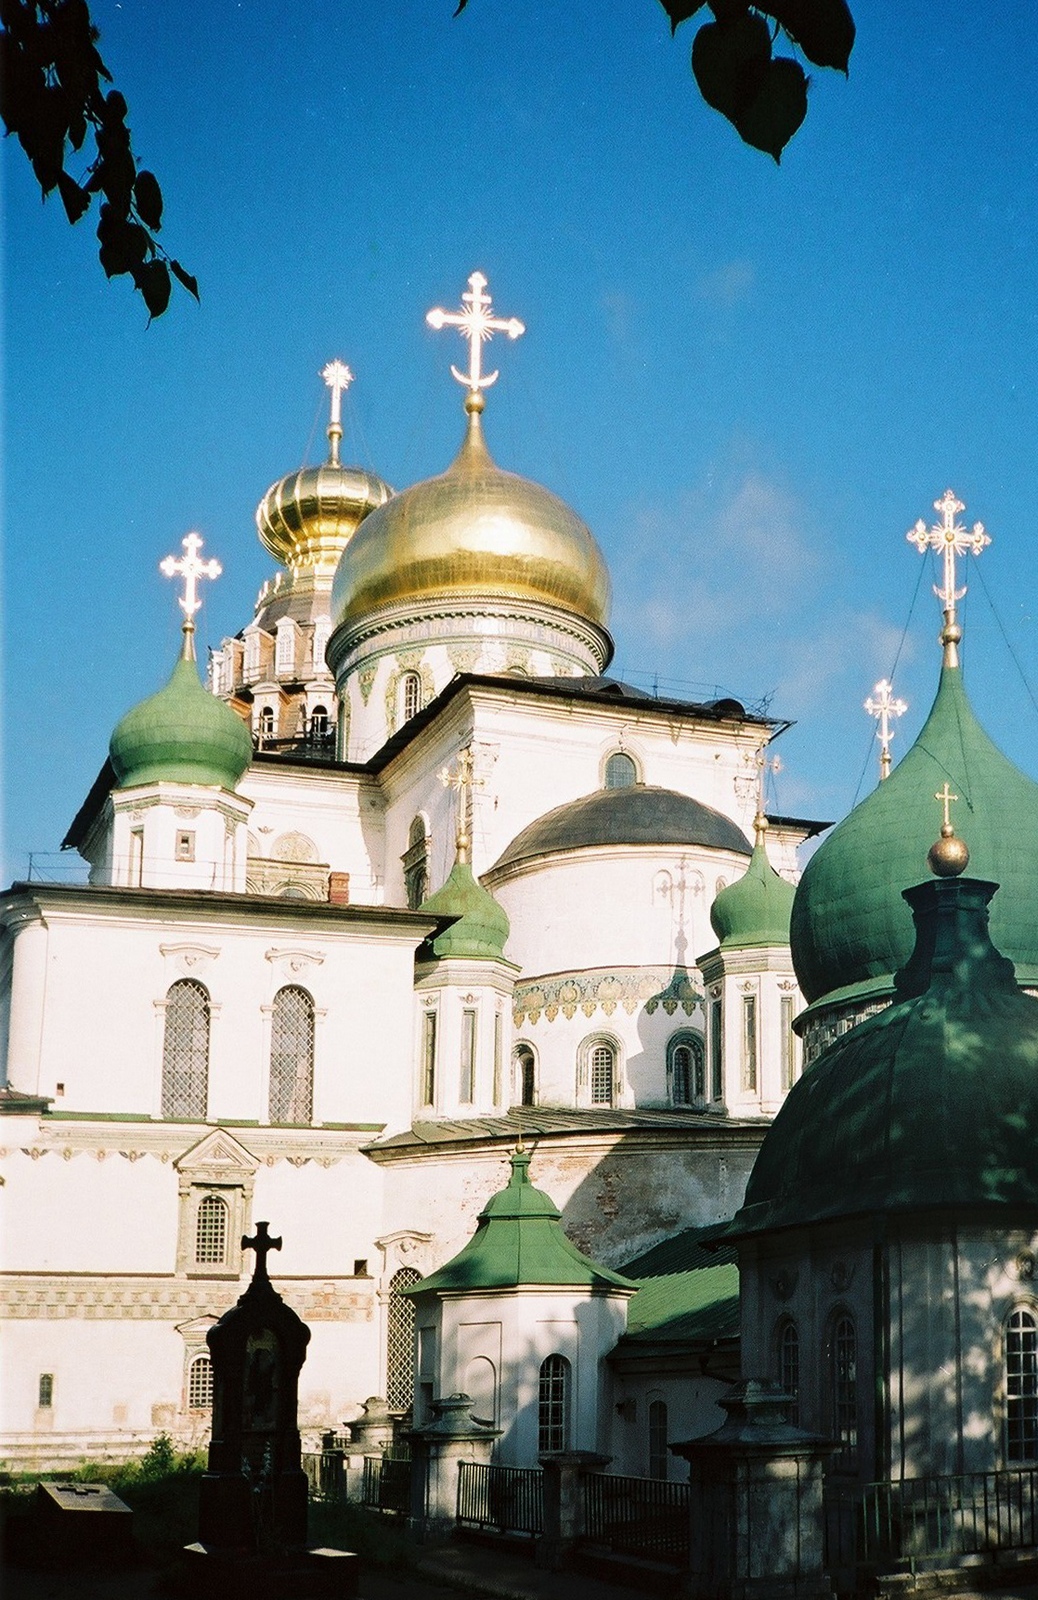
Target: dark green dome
850, 927
482, 925
932, 1103
183, 734
519, 1240
755, 909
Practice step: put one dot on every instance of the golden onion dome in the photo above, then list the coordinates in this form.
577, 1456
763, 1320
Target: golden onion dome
307, 518
472, 531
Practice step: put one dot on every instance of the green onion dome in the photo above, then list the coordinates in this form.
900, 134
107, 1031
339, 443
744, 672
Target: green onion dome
519, 1240
931, 1103
183, 734
755, 909
482, 925
851, 929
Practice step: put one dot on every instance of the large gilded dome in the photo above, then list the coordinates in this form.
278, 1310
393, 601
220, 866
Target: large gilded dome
473, 531
308, 517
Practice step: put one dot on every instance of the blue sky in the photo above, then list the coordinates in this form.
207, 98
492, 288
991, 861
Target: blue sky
749, 380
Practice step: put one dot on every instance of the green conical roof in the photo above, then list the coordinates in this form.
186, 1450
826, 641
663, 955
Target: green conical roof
519, 1240
850, 926
183, 734
931, 1103
755, 909
482, 925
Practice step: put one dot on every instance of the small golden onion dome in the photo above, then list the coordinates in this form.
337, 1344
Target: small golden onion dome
949, 855
307, 518
472, 531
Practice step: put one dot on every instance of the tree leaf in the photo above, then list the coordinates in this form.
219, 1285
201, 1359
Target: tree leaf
460, 7
824, 29
729, 60
147, 197
776, 112
75, 199
190, 283
125, 246
679, 11
152, 279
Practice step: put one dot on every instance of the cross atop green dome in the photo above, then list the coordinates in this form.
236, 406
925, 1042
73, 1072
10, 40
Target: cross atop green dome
754, 911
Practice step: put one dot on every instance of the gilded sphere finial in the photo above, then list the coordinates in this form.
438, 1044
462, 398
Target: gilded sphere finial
475, 401
949, 855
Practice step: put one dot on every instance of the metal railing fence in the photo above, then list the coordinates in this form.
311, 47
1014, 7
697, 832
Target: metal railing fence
387, 1483
326, 1474
508, 1499
645, 1517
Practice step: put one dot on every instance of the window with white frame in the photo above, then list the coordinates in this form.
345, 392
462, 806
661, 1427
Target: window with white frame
467, 1075
620, 771
788, 1043
291, 1056
200, 1384
1021, 1385
749, 1042
525, 1075
686, 1069
428, 1066
211, 1232
400, 1353
185, 1052
601, 1068
416, 864
553, 1400
410, 695
285, 649
266, 723
499, 1032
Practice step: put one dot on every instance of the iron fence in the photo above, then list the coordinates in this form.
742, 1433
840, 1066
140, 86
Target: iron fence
638, 1516
387, 1483
508, 1499
931, 1521
326, 1474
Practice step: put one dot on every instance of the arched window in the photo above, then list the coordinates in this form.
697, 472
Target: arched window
843, 1381
416, 864
686, 1070
200, 1384
788, 1341
601, 1074
658, 1453
620, 771
185, 1052
266, 723
400, 1340
211, 1232
526, 1075
411, 695
292, 1056
1021, 1377
553, 1405
319, 724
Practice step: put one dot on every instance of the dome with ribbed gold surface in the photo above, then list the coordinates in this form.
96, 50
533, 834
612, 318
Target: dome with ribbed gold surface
474, 531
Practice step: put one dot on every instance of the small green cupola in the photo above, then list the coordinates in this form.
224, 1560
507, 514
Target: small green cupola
183, 734
754, 911
481, 928
519, 1241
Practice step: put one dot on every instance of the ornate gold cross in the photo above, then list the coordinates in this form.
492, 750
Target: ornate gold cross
190, 569
950, 537
946, 797
476, 324
463, 781
882, 704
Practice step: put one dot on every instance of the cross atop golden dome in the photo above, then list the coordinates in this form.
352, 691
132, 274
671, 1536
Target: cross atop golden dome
476, 324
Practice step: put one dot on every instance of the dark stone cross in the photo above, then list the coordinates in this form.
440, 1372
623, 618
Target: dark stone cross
262, 1244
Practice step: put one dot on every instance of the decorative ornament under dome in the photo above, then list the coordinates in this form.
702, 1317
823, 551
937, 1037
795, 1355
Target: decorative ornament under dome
475, 531
182, 734
308, 517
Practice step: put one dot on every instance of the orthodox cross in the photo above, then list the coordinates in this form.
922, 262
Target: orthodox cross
262, 1244
190, 569
946, 797
882, 704
953, 539
338, 377
763, 764
475, 324
463, 780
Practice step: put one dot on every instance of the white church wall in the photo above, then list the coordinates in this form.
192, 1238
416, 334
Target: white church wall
326, 1210
340, 813
131, 1207
108, 1376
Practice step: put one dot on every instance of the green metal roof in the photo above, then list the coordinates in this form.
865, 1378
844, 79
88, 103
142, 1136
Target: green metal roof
929, 1104
682, 1252
641, 814
183, 734
850, 924
755, 909
686, 1306
482, 925
519, 1241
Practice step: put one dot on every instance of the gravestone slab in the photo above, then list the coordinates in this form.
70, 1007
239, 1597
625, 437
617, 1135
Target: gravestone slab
86, 1522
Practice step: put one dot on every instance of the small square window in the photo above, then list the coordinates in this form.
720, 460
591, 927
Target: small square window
46, 1399
185, 846
360, 1268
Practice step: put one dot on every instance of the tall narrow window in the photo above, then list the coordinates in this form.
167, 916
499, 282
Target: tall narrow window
620, 771
658, 1453
428, 1058
467, 1083
602, 1067
843, 1373
749, 1041
526, 1073
553, 1405
400, 1340
292, 1056
499, 1027
319, 725
787, 1041
136, 857
266, 723
45, 1391
416, 865
687, 1071
411, 695
200, 1384
789, 1367
185, 1052
285, 648
1022, 1386
211, 1232
716, 1051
